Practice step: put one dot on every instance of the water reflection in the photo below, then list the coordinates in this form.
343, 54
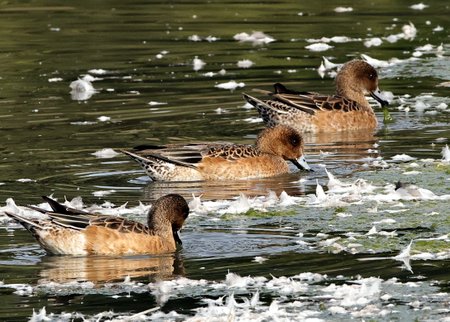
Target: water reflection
211, 190
98, 269
358, 139
343, 145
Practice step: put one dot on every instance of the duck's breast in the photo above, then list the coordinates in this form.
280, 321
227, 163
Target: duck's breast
244, 168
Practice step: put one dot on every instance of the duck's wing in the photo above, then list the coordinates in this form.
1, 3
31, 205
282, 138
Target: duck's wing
232, 152
72, 218
83, 221
309, 102
72, 221
53, 220
187, 155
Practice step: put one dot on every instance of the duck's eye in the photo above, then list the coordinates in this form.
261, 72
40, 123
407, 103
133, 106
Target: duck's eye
371, 76
294, 140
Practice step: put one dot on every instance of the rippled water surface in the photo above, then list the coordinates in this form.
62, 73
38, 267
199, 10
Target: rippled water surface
291, 251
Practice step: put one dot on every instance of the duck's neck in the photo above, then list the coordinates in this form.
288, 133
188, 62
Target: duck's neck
352, 92
159, 225
266, 147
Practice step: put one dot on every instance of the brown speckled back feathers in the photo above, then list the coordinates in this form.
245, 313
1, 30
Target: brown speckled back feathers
347, 110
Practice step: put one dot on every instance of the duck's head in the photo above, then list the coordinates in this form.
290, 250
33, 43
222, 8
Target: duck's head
361, 77
283, 141
171, 209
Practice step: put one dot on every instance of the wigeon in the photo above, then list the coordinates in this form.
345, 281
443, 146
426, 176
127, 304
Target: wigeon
218, 161
347, 110
68, 231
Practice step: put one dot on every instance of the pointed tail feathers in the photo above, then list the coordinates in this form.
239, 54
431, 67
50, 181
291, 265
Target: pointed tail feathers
29, 224
60, 208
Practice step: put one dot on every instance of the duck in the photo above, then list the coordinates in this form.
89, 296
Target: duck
347, 110
68, 231
224, 161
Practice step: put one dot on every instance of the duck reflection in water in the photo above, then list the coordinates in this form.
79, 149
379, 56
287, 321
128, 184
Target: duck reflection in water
218, 190
103, 269
343, 146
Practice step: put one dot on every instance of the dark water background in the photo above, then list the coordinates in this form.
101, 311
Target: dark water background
48, 138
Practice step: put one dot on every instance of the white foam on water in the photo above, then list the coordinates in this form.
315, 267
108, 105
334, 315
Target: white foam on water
254, 119
446, 154
82, 88
306, 296
427, 47
25, 180
418, 6
241, 205
154, 103
342, 39
20, 289
371, 293
403, 158
245, 63
256, 37
83, 84
212, 38
195, 38
104, 118
107, 208
198, 64
212, 74
411, 173
260, 259
161, 54
286, 200
105, 153
103, 193
55, 79
318, 47
442, 106
376, 62
99, 71
409, 31
335, 39
231, 85
328, 64
388, 96
83, 123
420, 106
373, 42
366, 290
343, 9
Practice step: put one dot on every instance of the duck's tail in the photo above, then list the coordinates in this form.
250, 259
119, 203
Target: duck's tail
156, 166
268, 113
30, 224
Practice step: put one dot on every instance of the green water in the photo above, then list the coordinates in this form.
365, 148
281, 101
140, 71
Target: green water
48, 138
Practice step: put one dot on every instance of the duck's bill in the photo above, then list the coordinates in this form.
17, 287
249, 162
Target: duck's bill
177, 238
376, 94
301, 163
